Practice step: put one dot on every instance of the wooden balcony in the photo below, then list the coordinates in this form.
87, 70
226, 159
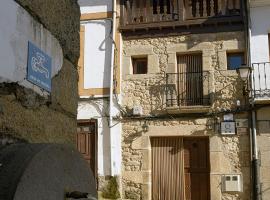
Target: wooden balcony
159, 14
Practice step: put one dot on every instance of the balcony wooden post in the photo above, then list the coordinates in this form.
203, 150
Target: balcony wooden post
141, 12
123, 14
158, 10
149, 11
212, 8
134, 13
129, 15
197, 13
204, 7
230, 4
238, 4
188, 9
222, 6
181, 10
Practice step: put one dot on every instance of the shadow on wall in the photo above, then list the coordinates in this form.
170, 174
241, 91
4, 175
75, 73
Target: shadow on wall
158, 96
103, 125
103, 50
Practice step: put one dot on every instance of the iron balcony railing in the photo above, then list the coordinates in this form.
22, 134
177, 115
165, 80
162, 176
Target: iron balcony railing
187, 89
260, 79
153, 11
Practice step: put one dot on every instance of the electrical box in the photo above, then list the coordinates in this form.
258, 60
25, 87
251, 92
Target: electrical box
227, 128
241, 123
232, 183
137, 110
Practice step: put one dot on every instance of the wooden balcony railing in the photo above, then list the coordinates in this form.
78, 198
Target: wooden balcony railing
212, 8
153, 11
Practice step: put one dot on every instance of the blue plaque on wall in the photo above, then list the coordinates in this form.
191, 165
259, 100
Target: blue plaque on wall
39, 67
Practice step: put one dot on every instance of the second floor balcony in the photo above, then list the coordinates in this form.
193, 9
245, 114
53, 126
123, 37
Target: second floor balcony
260, 79
147, 14
187, 90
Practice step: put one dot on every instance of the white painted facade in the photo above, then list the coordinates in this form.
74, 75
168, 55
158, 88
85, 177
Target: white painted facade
95, 6
98, 51
99, 109
259, 47
98, 54
17, 27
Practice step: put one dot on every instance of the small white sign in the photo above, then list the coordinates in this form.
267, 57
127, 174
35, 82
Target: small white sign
241, 123
228, 128
228, 117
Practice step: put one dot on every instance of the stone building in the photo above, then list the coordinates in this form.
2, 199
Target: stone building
38, 73
185, 127
186, 118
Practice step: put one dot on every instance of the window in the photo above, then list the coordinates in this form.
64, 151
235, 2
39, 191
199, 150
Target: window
235, 60
139, 65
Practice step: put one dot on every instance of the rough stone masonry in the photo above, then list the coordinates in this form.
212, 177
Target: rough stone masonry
27, 116
227, 154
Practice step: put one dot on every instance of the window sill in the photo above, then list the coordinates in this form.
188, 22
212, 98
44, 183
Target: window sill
188, 109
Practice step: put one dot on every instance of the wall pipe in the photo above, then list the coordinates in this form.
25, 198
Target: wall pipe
112, 88
256, 187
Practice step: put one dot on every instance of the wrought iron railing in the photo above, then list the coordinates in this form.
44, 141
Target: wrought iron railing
187, 89
149, 11
260, 78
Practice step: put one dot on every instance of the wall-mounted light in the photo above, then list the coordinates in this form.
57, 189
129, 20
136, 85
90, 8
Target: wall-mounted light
145, 127
243, 72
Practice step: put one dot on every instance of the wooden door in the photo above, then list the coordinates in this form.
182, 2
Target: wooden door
86, 142
167, 168
196, 159
190, 88
180, 168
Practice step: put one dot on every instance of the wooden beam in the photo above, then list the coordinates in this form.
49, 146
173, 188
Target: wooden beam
94, 91
96, 16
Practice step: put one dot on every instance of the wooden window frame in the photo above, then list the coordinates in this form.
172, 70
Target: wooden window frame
135, 60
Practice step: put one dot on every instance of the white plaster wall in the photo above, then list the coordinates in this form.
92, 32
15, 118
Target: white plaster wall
255, 3
99, 110
17, 27
259, 44
97, 54
260, 27
94, 6
116, 147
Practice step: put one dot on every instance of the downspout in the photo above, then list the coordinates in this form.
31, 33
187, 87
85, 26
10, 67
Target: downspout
112, 88
256, 188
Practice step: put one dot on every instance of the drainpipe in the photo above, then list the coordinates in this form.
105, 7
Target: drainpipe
256, 188
255, 159
112, 87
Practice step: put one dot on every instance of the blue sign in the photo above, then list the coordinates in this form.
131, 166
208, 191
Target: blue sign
39, 67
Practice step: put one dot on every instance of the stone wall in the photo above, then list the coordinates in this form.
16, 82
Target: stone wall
224, 85
34, 118
228, 155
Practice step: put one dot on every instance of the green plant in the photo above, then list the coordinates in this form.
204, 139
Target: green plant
111, 191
